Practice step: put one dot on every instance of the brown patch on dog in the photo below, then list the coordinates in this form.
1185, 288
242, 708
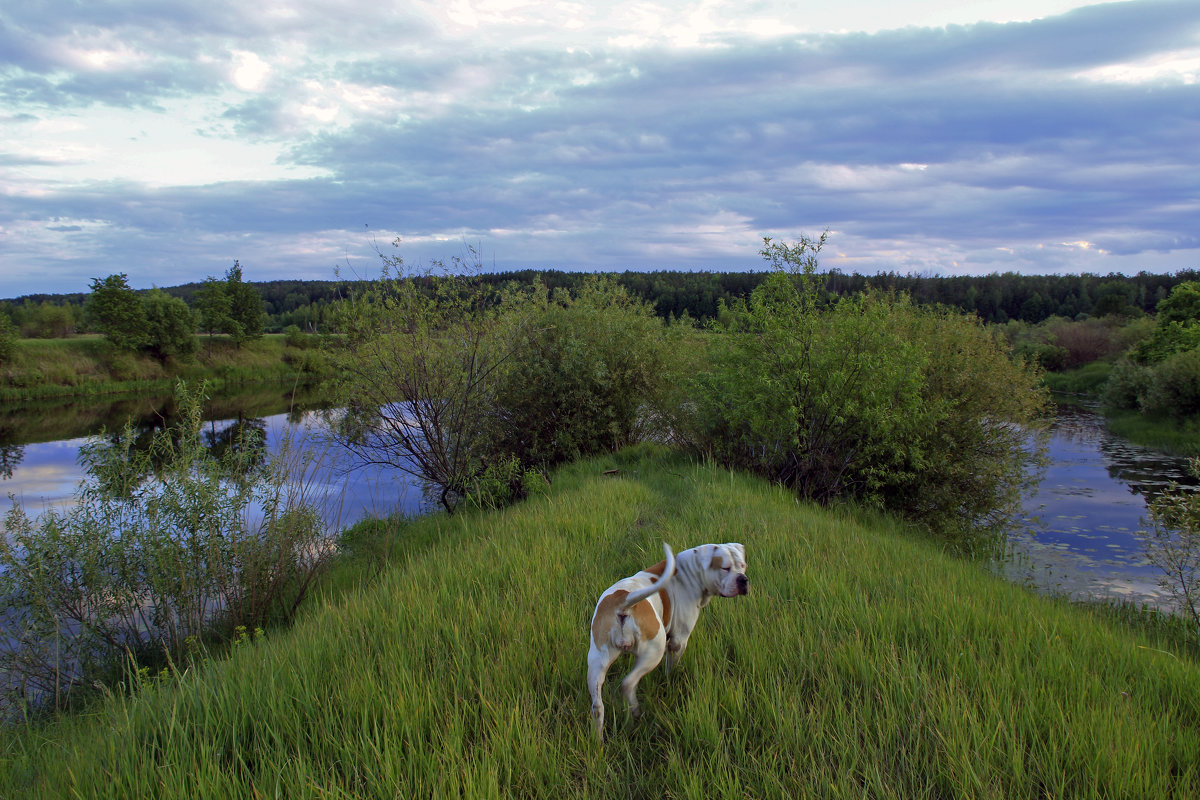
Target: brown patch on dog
647, 621
606, 615
609, 608
666, 605
658, 569
717, 561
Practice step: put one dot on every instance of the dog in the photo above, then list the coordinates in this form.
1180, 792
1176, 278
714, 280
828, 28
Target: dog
652, 614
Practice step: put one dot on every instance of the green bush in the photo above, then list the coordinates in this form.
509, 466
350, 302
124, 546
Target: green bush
1173, 545
165, 543
581, 379
8, 339
873, 399
1166, 340
170, 326
1174, 386
1125, 387
294, 337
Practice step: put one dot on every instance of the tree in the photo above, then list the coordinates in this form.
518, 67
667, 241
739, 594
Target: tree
1181, 305
417, 370
115, 310
246, 318
212, 306
170, 327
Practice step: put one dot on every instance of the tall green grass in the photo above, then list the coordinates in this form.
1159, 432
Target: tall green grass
864, 663
1179, 437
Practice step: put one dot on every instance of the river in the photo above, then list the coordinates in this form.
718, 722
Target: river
1078, 535
39, 448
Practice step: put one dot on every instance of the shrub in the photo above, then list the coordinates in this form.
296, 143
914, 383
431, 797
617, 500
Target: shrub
872, 398
1173, 545
8, 340
1173, 388
169, 324
1126, 385
294, 337
580, 380
417, 368
165, 543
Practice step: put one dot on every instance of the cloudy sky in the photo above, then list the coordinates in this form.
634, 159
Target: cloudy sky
166, 139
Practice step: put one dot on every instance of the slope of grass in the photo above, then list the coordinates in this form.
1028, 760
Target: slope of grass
864, 663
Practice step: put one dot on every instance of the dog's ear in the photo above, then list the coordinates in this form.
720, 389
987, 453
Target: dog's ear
716, 562
738, 551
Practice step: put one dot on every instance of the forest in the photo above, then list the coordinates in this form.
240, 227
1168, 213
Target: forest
995, 298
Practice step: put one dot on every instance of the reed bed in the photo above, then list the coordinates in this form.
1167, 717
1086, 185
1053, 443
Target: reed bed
864, 663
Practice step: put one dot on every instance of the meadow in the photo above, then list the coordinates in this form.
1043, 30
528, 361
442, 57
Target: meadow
445, 657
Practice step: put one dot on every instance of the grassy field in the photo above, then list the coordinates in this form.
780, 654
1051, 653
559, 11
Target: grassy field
83, 366
447, 659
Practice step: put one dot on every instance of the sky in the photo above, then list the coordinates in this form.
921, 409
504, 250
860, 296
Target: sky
302, 138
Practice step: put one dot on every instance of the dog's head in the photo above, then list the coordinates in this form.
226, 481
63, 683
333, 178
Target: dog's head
727, 569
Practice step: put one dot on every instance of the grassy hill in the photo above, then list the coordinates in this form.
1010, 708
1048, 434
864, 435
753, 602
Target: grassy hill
864, 663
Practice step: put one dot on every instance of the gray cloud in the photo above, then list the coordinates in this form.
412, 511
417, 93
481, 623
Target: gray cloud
990, 146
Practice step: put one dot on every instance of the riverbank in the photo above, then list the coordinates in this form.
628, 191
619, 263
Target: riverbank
1084, 386
88, 366
865, 661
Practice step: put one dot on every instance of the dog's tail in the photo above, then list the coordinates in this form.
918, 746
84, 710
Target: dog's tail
668, 574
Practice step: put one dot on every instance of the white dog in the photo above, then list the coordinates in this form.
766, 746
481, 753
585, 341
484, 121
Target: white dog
652, 614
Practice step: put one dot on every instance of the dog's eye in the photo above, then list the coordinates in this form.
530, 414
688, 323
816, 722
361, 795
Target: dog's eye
727, 568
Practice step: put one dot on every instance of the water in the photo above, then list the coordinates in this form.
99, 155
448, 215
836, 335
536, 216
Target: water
1080, 532
45, 474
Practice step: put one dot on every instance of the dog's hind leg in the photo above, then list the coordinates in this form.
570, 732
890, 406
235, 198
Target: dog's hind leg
648, 658
599, 660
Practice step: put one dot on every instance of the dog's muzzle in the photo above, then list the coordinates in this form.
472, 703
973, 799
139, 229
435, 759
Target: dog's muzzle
743, 584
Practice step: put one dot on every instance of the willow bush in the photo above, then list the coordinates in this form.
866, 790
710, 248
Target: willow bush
869, 398
167, 544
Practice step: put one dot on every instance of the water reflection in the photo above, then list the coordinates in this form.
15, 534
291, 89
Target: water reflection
41, 474
1080, 533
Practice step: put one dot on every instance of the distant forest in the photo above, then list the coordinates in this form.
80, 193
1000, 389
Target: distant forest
995, 298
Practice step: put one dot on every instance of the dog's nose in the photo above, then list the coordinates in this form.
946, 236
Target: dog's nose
743, 584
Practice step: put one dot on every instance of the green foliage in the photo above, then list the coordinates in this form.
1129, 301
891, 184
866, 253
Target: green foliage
47, 320
1174, 386
1168, 338
1178, 326
8, 340
869, 398
579, 380
212, 307
170, 326
1126, 385
293, 337
1173, 545
504, 481
1181, 305
164, 542
246, 319
115, 310
416, 372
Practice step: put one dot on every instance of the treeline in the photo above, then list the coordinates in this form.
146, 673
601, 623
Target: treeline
996, 298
